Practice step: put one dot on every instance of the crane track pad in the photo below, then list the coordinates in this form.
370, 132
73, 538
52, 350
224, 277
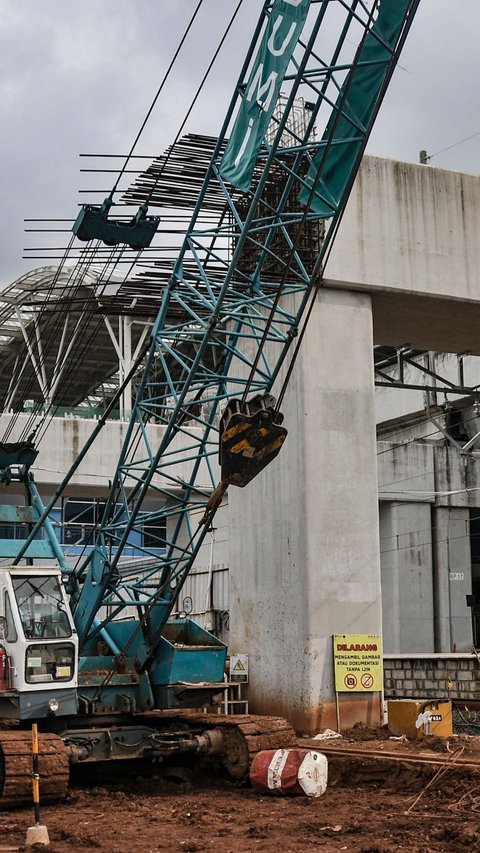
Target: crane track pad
251, 435
16, 768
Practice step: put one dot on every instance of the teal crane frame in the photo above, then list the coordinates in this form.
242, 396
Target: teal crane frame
238, 297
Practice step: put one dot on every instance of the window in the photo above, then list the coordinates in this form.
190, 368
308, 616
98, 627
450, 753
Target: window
80, 517
155, 534
46, 663
11, 633
13, 531
41, 607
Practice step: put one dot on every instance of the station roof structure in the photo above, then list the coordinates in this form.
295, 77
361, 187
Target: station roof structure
45, 314
45, 352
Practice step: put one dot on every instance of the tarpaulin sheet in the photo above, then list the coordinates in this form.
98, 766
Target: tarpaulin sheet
363, 85
262, 89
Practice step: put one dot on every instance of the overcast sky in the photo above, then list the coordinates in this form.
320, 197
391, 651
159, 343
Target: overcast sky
78, 77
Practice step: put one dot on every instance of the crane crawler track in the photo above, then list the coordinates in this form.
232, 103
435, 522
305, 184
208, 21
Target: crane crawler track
244, 734
16, 769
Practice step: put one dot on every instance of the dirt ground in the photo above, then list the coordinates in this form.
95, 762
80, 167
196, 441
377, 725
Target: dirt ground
369, 807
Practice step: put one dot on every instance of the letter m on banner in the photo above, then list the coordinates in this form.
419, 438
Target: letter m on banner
261, 91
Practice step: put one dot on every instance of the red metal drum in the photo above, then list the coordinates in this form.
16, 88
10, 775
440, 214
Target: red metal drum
4, 670
289, 771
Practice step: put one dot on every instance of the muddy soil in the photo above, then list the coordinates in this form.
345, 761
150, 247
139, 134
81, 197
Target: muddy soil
213, 814
370, 806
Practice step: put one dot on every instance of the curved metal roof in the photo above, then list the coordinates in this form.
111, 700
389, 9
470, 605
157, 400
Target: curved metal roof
46, 321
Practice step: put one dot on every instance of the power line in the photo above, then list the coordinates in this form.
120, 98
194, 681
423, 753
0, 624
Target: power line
429, 543
159, 90
460, 142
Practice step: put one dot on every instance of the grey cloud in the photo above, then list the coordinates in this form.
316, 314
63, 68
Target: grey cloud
79, 77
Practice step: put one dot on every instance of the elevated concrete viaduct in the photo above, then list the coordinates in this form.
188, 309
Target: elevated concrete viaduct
410, 237
303, 539
304, 550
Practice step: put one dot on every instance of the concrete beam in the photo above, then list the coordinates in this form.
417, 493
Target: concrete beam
410, 236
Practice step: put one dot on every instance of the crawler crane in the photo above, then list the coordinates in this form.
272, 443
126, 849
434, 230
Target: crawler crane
222, 348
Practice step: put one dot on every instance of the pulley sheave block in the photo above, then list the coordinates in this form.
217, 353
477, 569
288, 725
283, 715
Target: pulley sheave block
20, 454
92, 223
251, 435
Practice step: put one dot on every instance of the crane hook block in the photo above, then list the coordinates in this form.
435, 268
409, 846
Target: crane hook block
251, 435
92, 223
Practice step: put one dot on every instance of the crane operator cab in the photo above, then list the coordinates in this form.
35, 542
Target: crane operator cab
38, 645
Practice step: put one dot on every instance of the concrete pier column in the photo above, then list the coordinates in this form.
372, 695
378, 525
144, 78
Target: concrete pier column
304, 551
452, 567
407, 583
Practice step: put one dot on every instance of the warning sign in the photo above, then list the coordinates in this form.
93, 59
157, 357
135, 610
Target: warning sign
367, 681
358, 662
238, 667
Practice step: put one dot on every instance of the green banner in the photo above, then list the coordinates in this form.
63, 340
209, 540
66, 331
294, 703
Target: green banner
363, 86
287, 18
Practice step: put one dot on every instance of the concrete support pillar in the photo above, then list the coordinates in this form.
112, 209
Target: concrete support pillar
304, 553
407, 584
452, 579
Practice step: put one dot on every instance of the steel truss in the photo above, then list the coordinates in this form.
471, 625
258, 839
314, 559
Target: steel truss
222, 330
390, 372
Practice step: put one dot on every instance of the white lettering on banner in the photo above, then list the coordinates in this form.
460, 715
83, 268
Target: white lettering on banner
271, 41
262, 88
244, 142
268, 86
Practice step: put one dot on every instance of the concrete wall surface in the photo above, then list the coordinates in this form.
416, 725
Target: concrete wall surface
67, 436
405, 471
410, 228
410, 236
304, 558
407, 577
452, 579
457, 477
425, 547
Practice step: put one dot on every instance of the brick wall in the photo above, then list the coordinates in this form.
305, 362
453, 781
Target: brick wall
454, 676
